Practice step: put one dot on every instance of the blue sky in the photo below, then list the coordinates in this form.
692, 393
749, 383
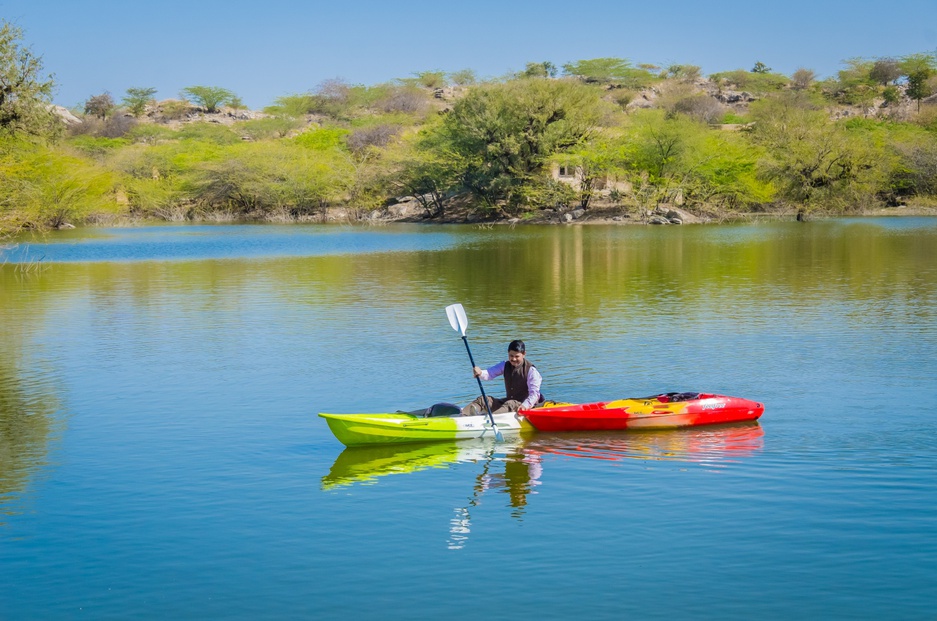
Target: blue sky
262, 50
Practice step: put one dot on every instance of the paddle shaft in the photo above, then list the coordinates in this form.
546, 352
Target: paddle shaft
491, 417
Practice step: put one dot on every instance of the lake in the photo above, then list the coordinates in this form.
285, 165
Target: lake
161, 457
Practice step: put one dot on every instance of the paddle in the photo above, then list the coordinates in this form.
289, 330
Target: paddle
459, 323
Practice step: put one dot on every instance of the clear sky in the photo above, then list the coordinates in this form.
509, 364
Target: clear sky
264, 49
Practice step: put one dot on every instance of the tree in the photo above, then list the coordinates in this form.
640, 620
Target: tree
25, 96
137, 98
760, 67
855, 84
913, 63
685, 73
802, 79
811, 160
546, 69
463, 77
431, 79
208, 97
504, 133
918, 86
100, 105
885, 70
609, 71
918, 68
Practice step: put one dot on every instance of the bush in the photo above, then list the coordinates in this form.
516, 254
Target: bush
174, 109
270, 127
759, 83
149, 133
208, 132
377, 136
701, 107
322, 139
404, 99
731, 118
114, 127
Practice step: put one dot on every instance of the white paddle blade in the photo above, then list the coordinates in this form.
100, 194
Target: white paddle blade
457, 318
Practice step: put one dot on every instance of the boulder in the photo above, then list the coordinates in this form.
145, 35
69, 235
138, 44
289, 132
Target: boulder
65, 114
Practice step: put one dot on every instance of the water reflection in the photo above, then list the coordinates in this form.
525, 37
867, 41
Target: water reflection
26, 428
515, 467
716, 446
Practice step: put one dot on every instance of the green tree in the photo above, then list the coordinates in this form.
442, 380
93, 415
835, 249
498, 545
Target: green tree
504, 133
463, 77
913, 63
137, 99
812, 161
686, 73
919, 86
422, 167
802, 79
760, 67
208, 97
609, 71
431, 79
545, 69
855, 84
25, 96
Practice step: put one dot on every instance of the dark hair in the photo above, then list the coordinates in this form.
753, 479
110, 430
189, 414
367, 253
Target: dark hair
517, 346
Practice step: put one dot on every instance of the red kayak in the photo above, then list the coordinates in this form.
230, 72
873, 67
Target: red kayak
664, 411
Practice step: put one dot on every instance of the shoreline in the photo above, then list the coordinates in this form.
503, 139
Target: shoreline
590, 217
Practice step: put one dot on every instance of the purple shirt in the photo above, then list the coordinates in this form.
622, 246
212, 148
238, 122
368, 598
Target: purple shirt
533, 382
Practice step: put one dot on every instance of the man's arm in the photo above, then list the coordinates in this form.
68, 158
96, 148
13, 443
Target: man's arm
493, 372
534, 380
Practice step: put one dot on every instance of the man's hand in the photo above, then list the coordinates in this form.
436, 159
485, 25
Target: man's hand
476, 372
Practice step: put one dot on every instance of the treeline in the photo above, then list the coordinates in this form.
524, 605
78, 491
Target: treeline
593, 132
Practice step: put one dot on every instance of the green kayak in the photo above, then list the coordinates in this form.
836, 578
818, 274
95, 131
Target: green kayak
421, 426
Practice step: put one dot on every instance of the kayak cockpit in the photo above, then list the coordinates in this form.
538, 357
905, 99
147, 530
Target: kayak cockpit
437, 409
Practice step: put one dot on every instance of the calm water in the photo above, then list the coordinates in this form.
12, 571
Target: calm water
160, 457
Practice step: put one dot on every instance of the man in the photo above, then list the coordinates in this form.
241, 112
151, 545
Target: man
521, 383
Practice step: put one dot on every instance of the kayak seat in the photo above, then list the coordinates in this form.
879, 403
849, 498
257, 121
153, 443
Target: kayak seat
673, 397
437, 409
443, 409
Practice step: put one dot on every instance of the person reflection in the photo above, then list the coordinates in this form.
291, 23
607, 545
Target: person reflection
522, 472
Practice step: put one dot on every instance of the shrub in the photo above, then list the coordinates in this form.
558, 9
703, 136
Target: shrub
322, 139
701, 107
404, 99
759, 83
270, 127
377, 136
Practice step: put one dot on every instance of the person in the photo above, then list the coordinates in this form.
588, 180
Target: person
521, 383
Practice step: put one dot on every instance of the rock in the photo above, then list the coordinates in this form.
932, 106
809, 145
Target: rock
567, 217
577, 213
65, 114
658, 220
405, 209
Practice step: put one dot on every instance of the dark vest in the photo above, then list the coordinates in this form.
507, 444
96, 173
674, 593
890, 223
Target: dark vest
515, 380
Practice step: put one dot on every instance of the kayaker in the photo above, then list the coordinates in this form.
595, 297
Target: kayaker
521, 383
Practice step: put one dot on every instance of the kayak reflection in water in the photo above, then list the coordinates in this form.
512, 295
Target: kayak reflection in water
522, 471
521, 383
